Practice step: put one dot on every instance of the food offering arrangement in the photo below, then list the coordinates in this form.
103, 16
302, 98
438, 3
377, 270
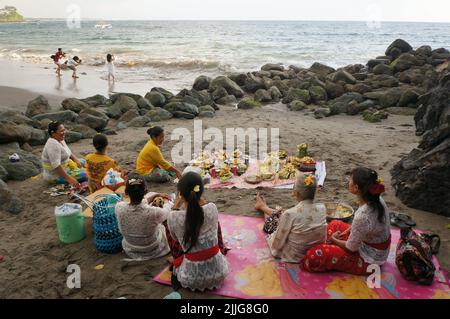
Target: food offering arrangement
221, 165
275, 166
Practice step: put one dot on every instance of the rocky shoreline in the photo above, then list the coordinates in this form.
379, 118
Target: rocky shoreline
399, 82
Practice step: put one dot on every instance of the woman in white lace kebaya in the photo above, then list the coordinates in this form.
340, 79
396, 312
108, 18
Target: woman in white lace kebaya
144, 236
352, 249
194, 238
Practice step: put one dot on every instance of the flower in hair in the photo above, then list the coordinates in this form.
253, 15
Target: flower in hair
309, 180
196, 188
135, 181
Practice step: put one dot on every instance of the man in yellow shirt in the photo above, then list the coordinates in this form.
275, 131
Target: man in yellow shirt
151, 163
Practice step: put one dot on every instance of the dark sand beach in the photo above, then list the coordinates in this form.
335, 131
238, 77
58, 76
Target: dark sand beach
35, 260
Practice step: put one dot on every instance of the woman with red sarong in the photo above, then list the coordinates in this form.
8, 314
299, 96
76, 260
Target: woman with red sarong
352, 249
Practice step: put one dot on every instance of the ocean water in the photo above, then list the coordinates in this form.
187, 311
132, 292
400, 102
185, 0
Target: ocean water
181, 50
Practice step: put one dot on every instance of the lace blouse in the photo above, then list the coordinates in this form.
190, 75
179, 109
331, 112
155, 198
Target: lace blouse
200, 275
144, 236
367, 229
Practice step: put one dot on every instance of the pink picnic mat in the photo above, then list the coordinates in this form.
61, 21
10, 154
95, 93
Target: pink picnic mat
255, 274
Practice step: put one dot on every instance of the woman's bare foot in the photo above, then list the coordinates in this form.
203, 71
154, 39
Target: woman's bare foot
260, 202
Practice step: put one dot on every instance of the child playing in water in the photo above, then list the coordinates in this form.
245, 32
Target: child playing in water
98, 163
110, 67
57, 59
72, 64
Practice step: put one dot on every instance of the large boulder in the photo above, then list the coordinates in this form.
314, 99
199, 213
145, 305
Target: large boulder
84, 130
202, 83
156, 99
227, 100
343, 76
18, 118
95, 101
159, 114
38, 137
405, 62
334, 90
128, 116
321, 69
145, 104
374, 116
422, 178
412, 76
398, 47
272, 67
225, 82
116, 96
219, 93
37, 106
60, 116
8, 201
72, 137
206, 108
239, 78
382, 81
246, 104
360, 88
374, 62
11, 132
318, 94
74, 105
263, 96
95, 112
167, 95
183, 115
139, 121
297, 94
3, 173
28, 166
383, 69
297, 105
322, 112
275, 93
181, 107
123, 104
95, 122
409, 98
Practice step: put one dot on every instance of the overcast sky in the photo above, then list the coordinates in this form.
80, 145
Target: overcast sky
361, 10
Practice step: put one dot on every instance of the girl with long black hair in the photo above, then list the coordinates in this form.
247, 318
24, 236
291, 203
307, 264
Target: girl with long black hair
195, 237
367, 241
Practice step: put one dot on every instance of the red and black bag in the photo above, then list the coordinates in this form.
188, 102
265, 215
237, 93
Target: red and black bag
414, 256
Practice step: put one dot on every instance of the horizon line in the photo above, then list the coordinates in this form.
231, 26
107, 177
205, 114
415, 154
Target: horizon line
241, 20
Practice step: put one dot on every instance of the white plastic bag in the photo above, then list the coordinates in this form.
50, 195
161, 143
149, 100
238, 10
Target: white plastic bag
113, 180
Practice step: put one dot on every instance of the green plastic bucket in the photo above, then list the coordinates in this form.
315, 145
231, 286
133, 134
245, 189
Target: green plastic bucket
70, 223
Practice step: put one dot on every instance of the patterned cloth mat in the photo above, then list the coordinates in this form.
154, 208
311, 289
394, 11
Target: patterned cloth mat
256, 274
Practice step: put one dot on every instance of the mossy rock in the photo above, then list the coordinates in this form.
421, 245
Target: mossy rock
297, 105
248, 104
409, 111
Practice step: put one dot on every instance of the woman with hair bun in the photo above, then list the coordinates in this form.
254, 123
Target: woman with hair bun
151, 164
352, 249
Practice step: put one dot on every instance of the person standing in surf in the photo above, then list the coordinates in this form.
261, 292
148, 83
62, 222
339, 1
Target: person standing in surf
57, 59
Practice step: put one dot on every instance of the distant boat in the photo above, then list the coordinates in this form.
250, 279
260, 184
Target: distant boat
103, 25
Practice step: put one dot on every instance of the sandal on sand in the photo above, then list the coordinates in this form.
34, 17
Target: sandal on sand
401, 220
